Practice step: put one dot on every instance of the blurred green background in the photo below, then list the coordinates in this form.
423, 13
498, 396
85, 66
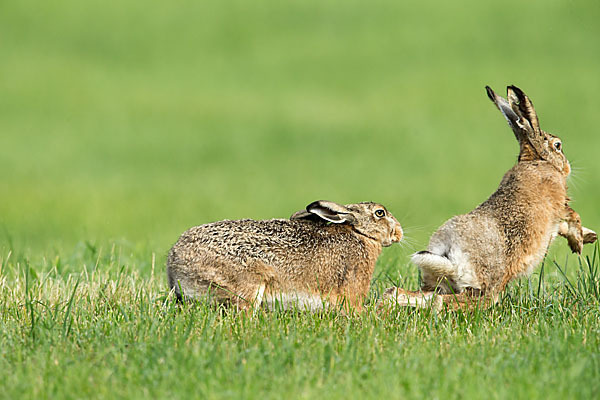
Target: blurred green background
129, 122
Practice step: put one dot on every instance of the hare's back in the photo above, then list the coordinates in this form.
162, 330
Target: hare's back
268, 240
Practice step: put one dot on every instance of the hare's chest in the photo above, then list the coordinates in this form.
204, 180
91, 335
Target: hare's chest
538, 252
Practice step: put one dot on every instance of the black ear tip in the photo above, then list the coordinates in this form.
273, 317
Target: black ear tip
490, 93
516, 90
315, 204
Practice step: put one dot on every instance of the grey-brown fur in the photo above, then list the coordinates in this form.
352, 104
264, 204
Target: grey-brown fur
478, 253
327, 251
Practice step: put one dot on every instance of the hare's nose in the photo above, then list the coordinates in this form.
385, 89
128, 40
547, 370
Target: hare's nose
398, 233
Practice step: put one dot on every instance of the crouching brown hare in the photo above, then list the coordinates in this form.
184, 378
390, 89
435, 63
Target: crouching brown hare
322, 256
472, 257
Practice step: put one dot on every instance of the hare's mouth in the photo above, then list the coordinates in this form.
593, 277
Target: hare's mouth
567, 168
398, 234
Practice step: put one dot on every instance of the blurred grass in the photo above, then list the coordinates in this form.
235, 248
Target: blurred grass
137, 120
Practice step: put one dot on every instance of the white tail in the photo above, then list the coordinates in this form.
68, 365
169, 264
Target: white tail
434, 264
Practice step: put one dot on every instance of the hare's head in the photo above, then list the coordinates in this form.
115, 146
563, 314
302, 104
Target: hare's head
535, 143
368, 219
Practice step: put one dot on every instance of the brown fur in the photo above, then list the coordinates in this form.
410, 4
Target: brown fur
231, 260
508, 234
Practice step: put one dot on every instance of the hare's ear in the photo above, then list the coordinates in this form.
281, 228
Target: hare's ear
305, 216
521, 117
522, 105
331, 212
511, 116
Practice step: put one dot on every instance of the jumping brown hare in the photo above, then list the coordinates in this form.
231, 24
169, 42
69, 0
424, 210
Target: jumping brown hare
472, 257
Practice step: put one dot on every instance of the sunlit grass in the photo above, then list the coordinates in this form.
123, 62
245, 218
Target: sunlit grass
111, 330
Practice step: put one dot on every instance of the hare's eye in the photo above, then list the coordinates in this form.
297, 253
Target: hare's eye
557, 145
379, 213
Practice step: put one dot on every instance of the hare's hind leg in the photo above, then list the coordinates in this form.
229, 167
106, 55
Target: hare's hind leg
467, 300
470, 299
258, 278
258, 298
217, 282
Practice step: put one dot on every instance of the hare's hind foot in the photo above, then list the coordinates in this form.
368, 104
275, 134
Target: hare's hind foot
470, 299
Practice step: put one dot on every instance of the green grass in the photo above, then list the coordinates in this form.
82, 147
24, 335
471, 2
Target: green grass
122, 125
111, 331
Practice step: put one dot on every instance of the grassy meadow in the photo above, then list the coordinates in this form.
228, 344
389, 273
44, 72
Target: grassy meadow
121, 125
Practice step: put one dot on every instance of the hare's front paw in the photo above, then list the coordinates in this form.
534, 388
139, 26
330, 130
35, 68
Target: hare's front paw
575, 243
589, 236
